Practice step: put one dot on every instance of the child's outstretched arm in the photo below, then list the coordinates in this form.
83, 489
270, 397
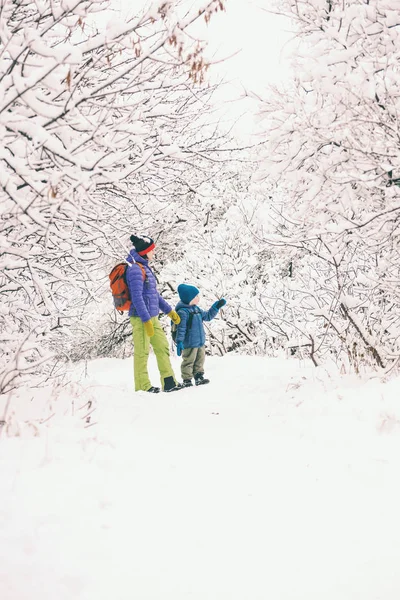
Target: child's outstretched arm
211, 313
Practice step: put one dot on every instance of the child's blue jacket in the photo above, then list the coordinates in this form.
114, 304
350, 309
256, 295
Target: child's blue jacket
195, 336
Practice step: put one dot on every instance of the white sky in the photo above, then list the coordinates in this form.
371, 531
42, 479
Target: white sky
256, 36
254, 43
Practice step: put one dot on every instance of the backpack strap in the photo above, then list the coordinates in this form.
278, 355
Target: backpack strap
143, 270
190, 317
144, 275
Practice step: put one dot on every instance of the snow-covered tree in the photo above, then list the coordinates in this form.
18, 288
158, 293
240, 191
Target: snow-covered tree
92, 124
333, 150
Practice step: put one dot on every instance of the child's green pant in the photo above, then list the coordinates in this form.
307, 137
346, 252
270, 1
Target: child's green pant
193, 362
141, 349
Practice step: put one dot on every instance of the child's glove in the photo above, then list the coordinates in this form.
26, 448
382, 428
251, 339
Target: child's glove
179, 348
175, 318
219, 303
148, 327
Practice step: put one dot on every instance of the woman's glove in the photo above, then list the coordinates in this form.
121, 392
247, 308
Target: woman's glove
175, 318
219, 303
179, 348
148, 327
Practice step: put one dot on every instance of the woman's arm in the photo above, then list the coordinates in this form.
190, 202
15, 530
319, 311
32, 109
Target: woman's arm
134, 279
163, 305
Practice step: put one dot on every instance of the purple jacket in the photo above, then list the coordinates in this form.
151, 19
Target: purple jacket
146, 301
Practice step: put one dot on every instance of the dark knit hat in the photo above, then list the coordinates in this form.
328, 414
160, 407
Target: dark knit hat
143, 244
187, 292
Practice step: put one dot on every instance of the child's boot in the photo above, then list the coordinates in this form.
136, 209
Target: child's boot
200, 379
187, 383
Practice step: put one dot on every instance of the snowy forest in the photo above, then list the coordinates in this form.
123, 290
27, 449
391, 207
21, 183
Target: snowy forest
112, 131
257, 143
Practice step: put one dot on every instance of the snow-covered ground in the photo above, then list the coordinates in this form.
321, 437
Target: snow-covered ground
277, 481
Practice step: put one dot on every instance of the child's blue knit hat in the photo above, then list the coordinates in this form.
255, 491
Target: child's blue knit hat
187, 292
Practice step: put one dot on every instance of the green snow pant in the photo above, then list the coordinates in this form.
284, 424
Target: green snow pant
193, 362
141, 348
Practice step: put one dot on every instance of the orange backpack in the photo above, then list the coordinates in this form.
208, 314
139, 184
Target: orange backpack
119, 286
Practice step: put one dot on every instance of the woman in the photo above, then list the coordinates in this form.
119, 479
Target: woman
145, 308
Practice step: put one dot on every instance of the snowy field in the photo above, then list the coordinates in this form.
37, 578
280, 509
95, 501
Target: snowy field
277, 481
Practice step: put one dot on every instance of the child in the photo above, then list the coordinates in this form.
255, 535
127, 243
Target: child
190, 334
